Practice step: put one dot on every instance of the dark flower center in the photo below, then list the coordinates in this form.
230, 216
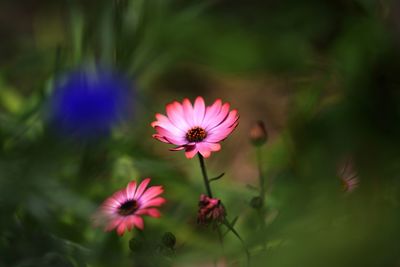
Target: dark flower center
128, 208
196, 134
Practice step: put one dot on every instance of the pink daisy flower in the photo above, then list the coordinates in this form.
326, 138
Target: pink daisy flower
195, 128
124, 209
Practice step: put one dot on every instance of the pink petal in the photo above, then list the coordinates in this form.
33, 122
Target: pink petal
121, 228
188, 112
161, 138
218, 119
129, 221
141, 188
219, 135
175, 142
120, 196
191, 152
188, 146
138, 222
110, 203
211, 112
161, 119
130, 190
176, 115
174, 138
155, 202
164, 122
150, 193
230, 120
204, 149
199, 111
214, 147
168, 132
114, 223
108, 210
153, 213
178, 148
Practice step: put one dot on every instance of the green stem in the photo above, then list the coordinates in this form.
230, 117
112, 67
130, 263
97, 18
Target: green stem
225, 222
205, 176
260, 174
233, 230
261, 210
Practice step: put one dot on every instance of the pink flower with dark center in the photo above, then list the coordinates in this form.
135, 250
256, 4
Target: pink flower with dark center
124, 209
195, 128
210, 210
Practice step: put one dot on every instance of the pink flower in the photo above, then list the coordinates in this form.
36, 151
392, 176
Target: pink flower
210, 210
125, 208
348, 176
350, 183
197, 128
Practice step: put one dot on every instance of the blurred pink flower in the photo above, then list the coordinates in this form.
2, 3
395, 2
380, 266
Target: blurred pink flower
125, 208
350, 183
210, 210
195, 128
348, 176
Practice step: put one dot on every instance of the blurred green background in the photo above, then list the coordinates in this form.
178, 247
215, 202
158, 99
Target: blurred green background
323, 75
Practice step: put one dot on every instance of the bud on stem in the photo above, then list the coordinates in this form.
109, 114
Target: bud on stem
258, 134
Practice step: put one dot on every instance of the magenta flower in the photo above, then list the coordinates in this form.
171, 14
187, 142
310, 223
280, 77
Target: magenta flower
210, 210
197, 128
125, 208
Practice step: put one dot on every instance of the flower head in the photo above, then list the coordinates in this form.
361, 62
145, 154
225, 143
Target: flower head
86, 103
195, 128
125, 208
211, 210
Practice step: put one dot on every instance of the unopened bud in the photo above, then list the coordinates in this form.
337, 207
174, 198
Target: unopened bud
258, 134
169, 240
211, 210
256, 202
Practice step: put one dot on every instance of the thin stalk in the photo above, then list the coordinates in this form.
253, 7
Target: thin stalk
260, 174
209, 193
261, 210
205, 176
233, 230
225, 222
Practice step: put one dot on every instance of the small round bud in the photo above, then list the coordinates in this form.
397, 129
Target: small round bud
256, 202
258, 134
169, 240
135, 244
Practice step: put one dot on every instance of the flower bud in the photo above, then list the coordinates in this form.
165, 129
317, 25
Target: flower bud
256, 202
258, 134
169, 240
211, 210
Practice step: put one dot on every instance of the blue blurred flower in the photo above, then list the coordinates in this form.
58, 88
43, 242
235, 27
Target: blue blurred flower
88, 103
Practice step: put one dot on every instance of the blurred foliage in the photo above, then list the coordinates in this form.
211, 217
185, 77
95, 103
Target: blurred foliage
341, 59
